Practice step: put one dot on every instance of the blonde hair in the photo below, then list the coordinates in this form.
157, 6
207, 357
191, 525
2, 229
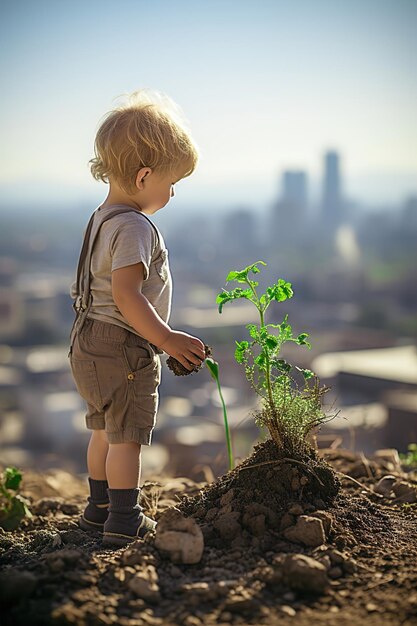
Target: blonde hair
148, 130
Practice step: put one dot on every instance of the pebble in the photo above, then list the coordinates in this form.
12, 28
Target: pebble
288, 610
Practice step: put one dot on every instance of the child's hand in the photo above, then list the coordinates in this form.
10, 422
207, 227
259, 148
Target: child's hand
188, 350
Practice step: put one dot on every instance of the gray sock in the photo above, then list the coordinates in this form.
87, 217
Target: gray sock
125, 513
98, 491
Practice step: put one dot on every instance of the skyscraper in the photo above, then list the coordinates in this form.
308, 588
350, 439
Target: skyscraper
295, 188
291, 208
331, 209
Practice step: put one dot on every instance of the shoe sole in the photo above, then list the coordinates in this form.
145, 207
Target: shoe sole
119, 539
85, 524
114, 539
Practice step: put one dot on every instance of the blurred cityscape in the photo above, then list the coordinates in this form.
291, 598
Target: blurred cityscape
354, 274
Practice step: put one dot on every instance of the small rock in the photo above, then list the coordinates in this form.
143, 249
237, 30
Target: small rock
371, 607
296, 509
288, 610
227, 525
305, 573
404, 492
326, 520
257, 525
384, 485
227, 497
144, 584
179, 537
308, 531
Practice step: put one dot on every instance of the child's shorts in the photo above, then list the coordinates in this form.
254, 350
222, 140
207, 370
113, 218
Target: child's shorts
117, 373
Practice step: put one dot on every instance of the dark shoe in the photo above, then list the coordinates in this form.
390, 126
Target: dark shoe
96, 511
94, 516
126, 521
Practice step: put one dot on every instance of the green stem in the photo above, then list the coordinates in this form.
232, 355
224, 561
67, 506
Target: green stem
268, 363
226, 426
213, 368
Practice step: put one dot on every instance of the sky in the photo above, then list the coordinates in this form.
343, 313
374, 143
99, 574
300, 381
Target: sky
264, 85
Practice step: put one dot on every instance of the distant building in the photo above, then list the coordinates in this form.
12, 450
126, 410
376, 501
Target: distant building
331, 207
409, 215
290, 210
239, 231
12, 318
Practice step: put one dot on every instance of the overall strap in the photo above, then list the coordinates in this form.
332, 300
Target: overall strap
82, 302
84, 263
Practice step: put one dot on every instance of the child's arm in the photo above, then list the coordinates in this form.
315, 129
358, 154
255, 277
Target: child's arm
138, 311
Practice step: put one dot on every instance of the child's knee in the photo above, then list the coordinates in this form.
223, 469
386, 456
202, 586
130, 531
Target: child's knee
126, 445
99, 434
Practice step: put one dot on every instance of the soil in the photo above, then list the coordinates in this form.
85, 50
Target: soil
178, 368
353, 561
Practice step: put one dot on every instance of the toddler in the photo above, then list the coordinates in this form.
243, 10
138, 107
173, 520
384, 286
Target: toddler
123, 300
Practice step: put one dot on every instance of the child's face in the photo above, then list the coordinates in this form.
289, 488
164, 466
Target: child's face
155, 190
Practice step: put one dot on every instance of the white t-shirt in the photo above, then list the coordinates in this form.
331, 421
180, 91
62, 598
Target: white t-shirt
124, 240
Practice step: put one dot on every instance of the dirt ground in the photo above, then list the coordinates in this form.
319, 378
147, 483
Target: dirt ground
285, 542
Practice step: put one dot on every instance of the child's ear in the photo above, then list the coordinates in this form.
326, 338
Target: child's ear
141, 175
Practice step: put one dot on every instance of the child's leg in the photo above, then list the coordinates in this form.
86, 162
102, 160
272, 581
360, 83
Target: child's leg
97, 450
96, 511
123, 465
126, 520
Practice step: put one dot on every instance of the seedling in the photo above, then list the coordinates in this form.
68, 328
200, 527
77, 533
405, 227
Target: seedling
213, 368
288, 411
13, 507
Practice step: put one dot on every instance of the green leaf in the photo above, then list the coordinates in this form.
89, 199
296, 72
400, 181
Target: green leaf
213, 367
285, 329
281, 291
12, 478
253, 330
241, 276
260, 360
11, 519
272, 342
301, 340
241, 348
222, 298
281, 365
232, 275
306, 373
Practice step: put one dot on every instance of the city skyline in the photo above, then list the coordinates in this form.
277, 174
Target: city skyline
263, 91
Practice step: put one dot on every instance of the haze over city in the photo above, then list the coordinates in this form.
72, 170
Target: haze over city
264, 87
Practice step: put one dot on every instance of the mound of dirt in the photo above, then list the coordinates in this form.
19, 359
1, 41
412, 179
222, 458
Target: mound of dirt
253, 502
326, 539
